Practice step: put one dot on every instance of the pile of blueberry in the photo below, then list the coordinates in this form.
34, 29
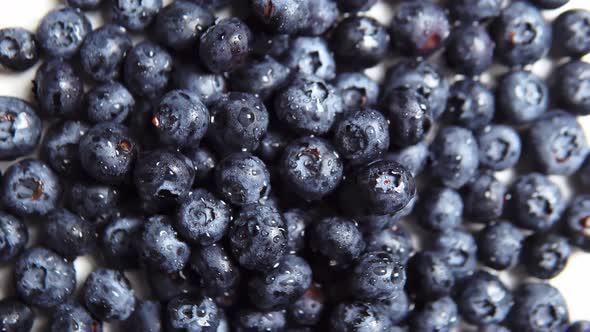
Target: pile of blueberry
258, 178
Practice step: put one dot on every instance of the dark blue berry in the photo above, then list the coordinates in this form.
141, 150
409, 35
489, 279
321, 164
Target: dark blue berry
572, 33
60, 147
213, 4
68, 234
571, 86
395, 240
550, 4
192, 313
308, 309
458, 248
440, 209
147, 69
93, 201
413, 157
579, 326
15, 316
484, 198
262, 77
544, 256
272, 44
202, 218
282, 16
500, 147
538, 307
180, 24
267, 321
296, 221
272, 146
493, 328
475, 10
103, 51
220, 275
358, 91
311, 56
359, 317
110, 102
454, 156
429, 276
166, 286
577, 222
118, 242
323, 14
356, 5
134, 15
360, 41
108, 296
371, 223
209, 87
161, 247
409, 115
470, 50
397, 308
85, 4
58, 90
225, 46
62, 31
204, 162
438, 315
484, 299
146, 317
362, 136
522, 96
14, 236
242, 178
377, 275
471, 104
499, 245
72, 317
20, 128
337, 240
19, 49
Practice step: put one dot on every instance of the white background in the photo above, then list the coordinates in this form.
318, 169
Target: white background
574, 282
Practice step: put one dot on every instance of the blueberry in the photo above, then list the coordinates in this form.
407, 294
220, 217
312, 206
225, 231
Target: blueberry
377, 275
275, 45
213, 4
544, 256
202, 218
423, 77
95, 202
262, 77
118, 242
192, 313
499, 245
296, 221
484, 299
68, 234
536, 202
571, 29
522, 36
337, 240
181, 119
103, 52
268, 321
362, 136
360, 41
146, 317
160, 246
323, 15
409, 115
58, 90
311, 168
85, 4
15, 316
419, 28
579, 326
308, 105
484, 198
225, 46
397, 308
20, 128
283, 16
30, 188
72, 317
475, 10
62, 31
538, 307
493, 328
395, 240
134, 15
458, 248
14, 236
242, 178
584, 173
413, 157
440, 209
358, 91
165, 286
571, 86
209, 87
471, 104
522, 96
577, 222
470, 49
272, 145
43, 278
107, 294
550, 4
371, 223
238, 122
359, 317
110, 102
429, 276
500, 147
308, 309
454, 156
180, 24
19, 49
204, 162
60, 147
107, 152
281, 286
311, 56
220, 275
147, 69
438, 315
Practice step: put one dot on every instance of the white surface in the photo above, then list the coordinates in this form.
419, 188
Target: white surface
574, 282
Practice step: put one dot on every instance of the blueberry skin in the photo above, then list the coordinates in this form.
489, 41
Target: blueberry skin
62, 31
108, 296
93, 201
20, 128
440, 209
358, 91
72, 317
499, 245
225, 46
577, 222
394, 240
15, 315
570, 29
371, 223
538, 307
68, 234
409, 116
493, 328
288, 281
204, 163
192, 313
429, 276
209, 87
58, 90
14, 236
362, 136
118, 242
579, 326
262, 77
549, 4
308, 309
484, 198
471, 104
85, 4
272, 145
558, 143
251, 320
522, 36
213, 4
146, 317
470, 50
323, 15
478, 10
439, 315
272, 44
258, 237
147, 69
166, 286
484, 299
308, 106
220, 275
413, 157
423, 77
202, 218
420, 28
500, 147
311, 56
110, 102
454, 156
160, 246
60, 147
181, 119
296, 221
351, 6
103, 52
133, 15
107, 152
311, 168
238, 122
43, 278
544, 256
360, 41
397, 308
19, 49
336, 239
458, 248
359, 317
180, 24
282, 16
377, 275
30, 188
571, 86
522, 97
242, 179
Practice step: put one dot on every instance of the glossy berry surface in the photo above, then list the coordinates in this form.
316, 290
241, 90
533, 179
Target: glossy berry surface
362, 136
202, 218
414, 157
359, 316
60, 147
118, 242
337, 240
20, 128
242, 179
111, 102
377, 276
429, 275
94, 201
454, 155
15, 315
440, 209
72, 317
323, 15
134, 15
471, 104
147, 69
395, 240
307, 310
62, 31
500, 147
358, 91
14, 236
550, 4
262, 77
19, 49
208, 86
225, 46
69, 235
499, 245
544, 256
360, 40
160, 246
204, 163
220, 275
261, 320
311, 56
58, 89
484, 299
103, 51
180, 24
409, 116
107, 294
470, 49
147, 317
283, 16
193, 313
485, 197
